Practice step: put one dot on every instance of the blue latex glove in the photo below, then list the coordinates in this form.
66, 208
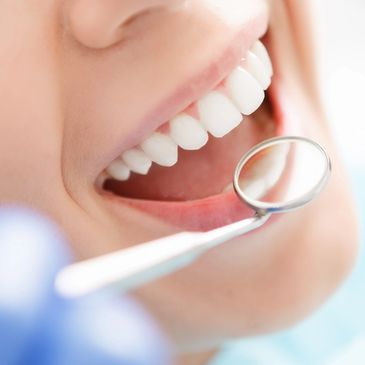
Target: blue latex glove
37, 327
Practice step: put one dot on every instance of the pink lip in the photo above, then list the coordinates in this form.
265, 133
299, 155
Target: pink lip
196, 215
199, 83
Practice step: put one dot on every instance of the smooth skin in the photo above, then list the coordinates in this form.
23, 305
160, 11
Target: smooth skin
67, 71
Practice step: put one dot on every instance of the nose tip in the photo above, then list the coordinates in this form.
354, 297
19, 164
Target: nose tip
102, 23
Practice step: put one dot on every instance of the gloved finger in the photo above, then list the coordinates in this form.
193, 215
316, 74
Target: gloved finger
31, 252
117, 332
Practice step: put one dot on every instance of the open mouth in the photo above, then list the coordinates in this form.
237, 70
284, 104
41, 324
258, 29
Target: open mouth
182, 173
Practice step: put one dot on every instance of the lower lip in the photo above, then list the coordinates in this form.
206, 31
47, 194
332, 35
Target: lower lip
214, 211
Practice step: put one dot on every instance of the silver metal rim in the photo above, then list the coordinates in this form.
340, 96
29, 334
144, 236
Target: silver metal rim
263, 208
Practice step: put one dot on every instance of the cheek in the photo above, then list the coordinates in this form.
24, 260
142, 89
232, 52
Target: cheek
30, 127
30, 150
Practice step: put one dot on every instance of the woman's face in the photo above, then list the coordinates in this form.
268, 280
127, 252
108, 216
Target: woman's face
85, 81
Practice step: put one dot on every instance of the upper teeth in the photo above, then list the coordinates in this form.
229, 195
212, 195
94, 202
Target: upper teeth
160, 148
245, 91
187, 132
219, 112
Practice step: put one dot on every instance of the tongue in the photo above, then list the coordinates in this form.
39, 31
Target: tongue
198, 174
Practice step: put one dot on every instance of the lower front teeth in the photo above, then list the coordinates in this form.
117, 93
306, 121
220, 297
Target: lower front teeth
219, 112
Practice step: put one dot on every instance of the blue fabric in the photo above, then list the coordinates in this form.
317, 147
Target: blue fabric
37, 327
335, 335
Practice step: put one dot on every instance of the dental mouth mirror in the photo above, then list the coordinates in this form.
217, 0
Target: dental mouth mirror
276, 176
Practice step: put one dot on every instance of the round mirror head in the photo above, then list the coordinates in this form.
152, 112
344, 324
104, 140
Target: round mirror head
281, 174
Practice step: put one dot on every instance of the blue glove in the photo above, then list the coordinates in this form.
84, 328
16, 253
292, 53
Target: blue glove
39, 328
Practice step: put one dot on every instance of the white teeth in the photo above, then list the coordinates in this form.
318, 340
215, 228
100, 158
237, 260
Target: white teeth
161, 149
137, 161
261, 52
218, 114
245, 91
118, 170
187, 132
258, 70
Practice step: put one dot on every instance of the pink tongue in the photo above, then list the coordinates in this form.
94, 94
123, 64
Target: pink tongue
197, 174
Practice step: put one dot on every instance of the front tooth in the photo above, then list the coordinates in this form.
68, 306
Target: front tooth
137, 161
161, 149
187, 132
218, 114
118, 170
261, 52
245, 91
258, 70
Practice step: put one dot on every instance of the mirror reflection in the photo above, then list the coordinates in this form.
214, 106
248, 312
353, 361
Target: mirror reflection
283, 172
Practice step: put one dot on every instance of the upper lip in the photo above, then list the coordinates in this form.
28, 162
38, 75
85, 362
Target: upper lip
197, 85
